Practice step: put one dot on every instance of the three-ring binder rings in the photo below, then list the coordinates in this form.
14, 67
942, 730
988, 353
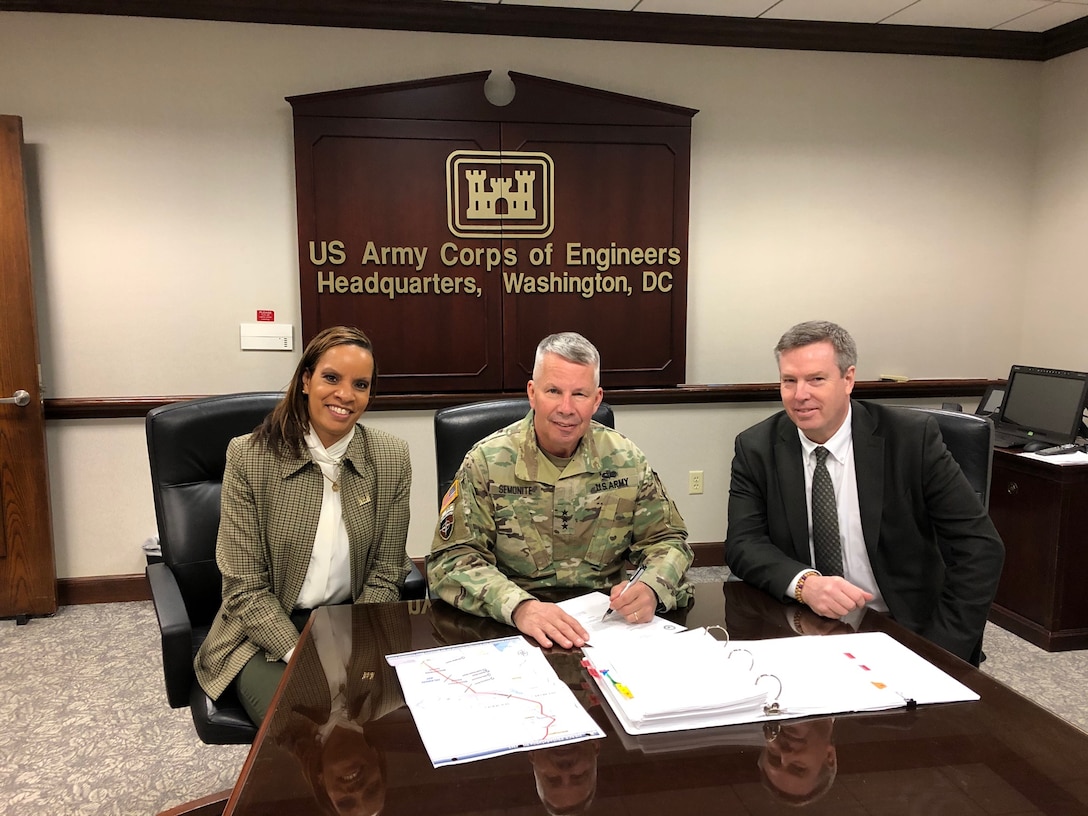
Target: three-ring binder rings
693, 680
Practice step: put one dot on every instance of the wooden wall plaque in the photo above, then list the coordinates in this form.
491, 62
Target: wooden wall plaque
458, 233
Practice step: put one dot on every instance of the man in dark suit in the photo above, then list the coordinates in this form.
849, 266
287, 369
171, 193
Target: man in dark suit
914, 540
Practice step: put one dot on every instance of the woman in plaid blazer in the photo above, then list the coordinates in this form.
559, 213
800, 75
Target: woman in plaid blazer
314, 511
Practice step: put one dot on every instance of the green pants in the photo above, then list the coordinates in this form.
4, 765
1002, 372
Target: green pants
258, 680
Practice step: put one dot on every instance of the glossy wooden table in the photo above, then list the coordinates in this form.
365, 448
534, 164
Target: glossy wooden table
1001, 755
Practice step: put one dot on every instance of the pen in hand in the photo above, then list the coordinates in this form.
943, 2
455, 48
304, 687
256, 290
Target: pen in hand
627, 586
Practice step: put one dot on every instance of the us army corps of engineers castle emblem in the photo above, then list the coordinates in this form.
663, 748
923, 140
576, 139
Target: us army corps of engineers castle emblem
493, 193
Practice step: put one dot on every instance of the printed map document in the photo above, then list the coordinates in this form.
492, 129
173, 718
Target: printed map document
478, 700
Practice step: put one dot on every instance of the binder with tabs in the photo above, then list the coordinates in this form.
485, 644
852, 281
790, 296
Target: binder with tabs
692, 680
649, 694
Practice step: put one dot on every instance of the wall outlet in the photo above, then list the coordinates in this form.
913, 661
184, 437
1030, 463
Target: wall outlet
695, 482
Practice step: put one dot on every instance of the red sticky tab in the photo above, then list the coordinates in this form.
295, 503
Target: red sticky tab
266, 316
589, 668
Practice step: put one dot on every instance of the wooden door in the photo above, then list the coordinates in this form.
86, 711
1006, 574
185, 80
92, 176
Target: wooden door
28, 579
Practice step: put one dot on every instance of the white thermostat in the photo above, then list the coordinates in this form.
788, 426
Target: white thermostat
267, 337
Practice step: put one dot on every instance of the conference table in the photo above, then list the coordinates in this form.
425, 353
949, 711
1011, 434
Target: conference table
1000, 755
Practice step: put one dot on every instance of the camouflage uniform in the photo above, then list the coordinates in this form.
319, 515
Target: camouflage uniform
511, 523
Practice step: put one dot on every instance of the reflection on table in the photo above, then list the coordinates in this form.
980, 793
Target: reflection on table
340, 740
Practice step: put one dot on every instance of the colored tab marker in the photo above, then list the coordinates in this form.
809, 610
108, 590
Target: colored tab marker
620, 687
589, 668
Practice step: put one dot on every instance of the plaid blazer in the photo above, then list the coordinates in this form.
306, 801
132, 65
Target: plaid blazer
268, 519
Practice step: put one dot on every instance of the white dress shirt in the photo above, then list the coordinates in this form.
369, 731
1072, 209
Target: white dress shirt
840, 466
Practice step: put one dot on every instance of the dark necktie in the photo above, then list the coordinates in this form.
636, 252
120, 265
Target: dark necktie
825, 519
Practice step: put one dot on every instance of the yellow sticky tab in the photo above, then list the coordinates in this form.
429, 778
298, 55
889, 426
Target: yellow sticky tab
450, 497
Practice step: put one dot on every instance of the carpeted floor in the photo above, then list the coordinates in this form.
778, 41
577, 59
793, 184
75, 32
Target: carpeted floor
86, 728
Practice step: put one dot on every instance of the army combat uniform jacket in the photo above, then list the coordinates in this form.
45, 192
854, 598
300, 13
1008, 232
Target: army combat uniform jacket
512, 523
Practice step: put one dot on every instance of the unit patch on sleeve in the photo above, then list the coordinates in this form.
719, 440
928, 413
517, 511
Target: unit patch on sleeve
451, 496
445, 521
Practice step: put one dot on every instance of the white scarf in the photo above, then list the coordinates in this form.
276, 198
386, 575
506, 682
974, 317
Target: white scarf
328, 576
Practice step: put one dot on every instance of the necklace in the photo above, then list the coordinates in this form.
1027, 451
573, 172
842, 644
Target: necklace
326, 461
336, 481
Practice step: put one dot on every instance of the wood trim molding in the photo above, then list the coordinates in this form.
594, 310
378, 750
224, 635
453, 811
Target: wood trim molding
128, 407
107, 407
594, 24
103, 589
126, 588
709, 554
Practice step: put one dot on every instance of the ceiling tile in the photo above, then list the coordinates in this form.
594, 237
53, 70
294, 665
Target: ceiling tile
714, 8
608, 5
840, 11
965, 13
1047, 18
1009, 15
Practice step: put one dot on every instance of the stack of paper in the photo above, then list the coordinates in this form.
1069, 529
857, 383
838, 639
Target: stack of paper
691, 680
676, 681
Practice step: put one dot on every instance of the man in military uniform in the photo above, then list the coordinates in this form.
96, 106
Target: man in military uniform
557, 500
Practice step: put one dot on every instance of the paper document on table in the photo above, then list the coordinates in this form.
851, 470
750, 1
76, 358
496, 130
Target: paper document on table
478, 700
1077, 457
589, 610
692, 680
866, 671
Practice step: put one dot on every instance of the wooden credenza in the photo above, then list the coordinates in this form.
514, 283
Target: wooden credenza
1041, 511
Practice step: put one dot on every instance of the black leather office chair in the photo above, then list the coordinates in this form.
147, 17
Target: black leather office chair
187, 450
458, 428
970, 440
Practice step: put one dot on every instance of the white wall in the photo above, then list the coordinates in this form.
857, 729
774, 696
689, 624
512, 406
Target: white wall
893, 194
1057, 272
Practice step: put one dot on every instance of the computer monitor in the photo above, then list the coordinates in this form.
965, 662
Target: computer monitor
990, 403
1042, 404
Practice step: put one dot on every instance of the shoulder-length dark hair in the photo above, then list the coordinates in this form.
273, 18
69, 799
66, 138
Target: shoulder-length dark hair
283, 429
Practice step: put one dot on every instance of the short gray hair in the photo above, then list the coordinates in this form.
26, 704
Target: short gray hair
573, 348
819, 331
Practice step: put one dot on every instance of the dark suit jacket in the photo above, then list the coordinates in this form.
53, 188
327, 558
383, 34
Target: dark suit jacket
935, 553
